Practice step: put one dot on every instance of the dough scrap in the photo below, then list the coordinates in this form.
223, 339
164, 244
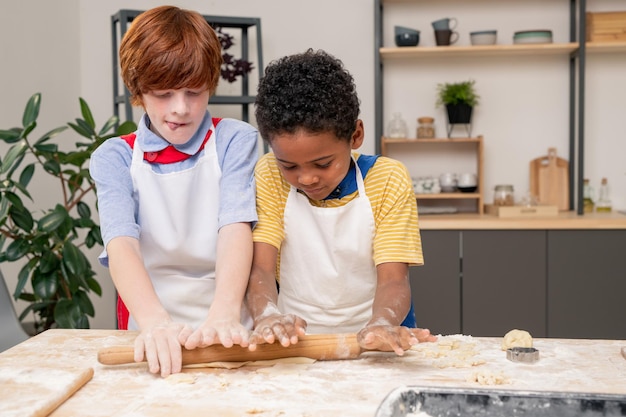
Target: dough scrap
517, 338
488, 378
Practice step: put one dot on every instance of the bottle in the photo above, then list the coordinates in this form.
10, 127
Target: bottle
603, 205
588, 204
397, 129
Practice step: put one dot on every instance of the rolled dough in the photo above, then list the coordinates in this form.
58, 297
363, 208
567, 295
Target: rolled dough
517, 338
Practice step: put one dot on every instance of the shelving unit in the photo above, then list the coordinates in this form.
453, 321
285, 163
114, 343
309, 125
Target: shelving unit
478, 196
121, 96
574, 49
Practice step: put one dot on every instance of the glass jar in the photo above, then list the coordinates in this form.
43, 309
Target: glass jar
397, 129
425, 128
503, 195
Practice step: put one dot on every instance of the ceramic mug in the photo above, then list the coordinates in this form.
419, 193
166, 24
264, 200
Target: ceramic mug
467, 180
446, 37
445, 23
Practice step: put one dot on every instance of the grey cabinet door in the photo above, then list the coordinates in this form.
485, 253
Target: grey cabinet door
587, 284
435, 286
503, 282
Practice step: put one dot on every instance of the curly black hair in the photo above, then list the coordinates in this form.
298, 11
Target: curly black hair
311, 91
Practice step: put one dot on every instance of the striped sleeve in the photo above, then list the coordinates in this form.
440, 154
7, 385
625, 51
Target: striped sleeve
272, 192
389, 187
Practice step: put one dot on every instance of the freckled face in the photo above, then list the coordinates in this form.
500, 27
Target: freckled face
315, 163
175, 115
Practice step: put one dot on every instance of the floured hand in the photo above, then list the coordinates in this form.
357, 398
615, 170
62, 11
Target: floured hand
286, 328
161, 345
224, 332
389, 338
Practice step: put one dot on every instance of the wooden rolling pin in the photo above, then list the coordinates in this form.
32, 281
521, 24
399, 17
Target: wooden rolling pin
318, 346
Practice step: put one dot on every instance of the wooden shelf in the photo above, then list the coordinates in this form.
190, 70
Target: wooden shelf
478, 50
449, 196
605, 47
477, 141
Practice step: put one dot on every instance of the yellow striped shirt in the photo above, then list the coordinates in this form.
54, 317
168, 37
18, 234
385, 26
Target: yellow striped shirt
389, 188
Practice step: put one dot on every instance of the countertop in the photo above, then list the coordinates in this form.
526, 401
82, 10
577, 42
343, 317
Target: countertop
325, 388
563, 221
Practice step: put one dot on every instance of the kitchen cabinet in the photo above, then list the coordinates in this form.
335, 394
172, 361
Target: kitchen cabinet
503, 282
553, 283
429, 147
587, 284
574, 51
435, 286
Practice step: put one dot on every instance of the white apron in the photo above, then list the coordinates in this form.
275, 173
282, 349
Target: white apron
178, 217
327, 271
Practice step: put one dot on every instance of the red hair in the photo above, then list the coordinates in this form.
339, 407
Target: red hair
169, 48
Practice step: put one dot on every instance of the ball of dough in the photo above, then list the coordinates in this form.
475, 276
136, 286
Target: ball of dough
517, 338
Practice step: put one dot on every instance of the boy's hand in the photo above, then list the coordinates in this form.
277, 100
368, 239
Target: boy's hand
161, 345
286, 328
389, 338
225, 332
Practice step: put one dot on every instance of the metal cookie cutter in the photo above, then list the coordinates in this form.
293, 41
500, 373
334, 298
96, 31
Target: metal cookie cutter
522, 354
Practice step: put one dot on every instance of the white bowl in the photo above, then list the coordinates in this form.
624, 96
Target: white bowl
484, 37
532, 37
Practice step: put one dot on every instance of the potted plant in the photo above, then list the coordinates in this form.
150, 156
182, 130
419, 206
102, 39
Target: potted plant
49, 241
459, 99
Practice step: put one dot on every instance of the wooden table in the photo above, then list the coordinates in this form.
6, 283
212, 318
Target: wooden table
334, 388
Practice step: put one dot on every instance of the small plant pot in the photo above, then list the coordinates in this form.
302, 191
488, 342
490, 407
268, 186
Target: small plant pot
459, 113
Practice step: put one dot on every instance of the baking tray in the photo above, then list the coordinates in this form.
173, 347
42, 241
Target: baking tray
412, 401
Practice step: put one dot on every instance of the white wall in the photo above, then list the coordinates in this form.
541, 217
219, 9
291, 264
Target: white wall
63, 49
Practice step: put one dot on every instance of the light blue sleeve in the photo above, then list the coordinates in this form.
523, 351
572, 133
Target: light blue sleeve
237, 152
109, 167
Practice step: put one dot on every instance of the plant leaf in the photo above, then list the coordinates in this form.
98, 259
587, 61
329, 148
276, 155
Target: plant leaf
74, 260
86, 112
22, 279
83, 210
14, 153
126, 128
17, 249
22, 218
10, 136
80, 130
86, 306
32, 110
67, 314
27, 175
108, 125
52, 220
50, 135
44, 285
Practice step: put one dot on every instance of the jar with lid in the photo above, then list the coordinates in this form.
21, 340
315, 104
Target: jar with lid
425, 128
503, 195
397, 129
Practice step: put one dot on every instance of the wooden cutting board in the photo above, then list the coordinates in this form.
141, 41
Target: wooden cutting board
36, 391
549, 180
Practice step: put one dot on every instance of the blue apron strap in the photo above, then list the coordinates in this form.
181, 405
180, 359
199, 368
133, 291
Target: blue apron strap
410, 320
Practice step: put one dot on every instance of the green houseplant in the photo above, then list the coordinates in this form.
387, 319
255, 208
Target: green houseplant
459, 99
49, 242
